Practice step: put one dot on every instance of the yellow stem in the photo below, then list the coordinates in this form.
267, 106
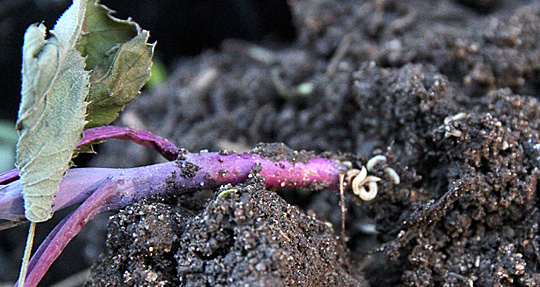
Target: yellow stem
27, 253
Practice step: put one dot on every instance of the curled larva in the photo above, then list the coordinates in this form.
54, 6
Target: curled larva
347, 164
360, 190
365, 194
372, 193
392, 174
374, 161
457, 117
351, 173
358, 174
450, 128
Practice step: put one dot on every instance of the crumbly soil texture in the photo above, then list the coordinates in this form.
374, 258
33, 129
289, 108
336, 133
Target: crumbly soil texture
447, 90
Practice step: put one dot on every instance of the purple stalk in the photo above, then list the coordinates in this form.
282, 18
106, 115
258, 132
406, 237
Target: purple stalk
76, 186
110, 189
9, 176
161, 145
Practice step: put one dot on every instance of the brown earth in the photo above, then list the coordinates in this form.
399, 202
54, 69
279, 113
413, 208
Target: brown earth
447, 90
368, 78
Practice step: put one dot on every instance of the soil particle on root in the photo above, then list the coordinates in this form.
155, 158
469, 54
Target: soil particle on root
279, 151
446, 90
244, 236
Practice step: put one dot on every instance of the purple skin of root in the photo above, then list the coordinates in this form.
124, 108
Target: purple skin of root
106, 189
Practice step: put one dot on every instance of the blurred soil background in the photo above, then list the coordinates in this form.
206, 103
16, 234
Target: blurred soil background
447, 90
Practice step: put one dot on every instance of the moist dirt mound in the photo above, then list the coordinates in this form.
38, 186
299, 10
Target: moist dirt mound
246, 236
446, 90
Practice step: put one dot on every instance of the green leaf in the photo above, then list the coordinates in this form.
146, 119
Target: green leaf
118, 79
82, 75
102, 32
52, 110
118, 53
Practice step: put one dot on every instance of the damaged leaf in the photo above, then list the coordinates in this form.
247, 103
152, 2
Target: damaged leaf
118, 80
52, 111
119, 57
82, 75
101, 33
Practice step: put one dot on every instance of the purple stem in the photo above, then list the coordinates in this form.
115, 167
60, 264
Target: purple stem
9, 176
76, 186
111, 189
161, 145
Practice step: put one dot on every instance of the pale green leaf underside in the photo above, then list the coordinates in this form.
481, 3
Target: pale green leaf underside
52, 111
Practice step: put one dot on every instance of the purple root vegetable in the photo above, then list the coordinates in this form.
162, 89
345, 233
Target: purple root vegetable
106, 189
111, 189
193, 172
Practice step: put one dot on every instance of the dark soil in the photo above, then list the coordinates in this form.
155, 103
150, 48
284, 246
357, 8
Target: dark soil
366, 78
246, 236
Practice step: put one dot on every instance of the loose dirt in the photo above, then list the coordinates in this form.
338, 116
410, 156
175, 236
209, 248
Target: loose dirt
446, 90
